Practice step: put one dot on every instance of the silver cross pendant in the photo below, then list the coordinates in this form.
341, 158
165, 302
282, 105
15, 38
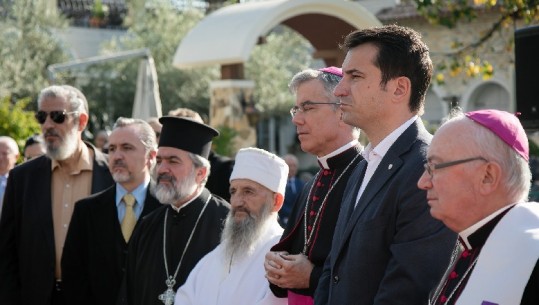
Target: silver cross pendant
167, 297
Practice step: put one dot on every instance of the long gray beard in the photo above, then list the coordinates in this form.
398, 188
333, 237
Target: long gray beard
239, 238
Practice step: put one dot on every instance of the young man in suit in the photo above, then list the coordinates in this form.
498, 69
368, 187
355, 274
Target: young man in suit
387, 248
93, 262
40, 197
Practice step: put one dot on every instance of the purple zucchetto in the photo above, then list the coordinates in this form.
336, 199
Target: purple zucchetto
332, 70
506, 126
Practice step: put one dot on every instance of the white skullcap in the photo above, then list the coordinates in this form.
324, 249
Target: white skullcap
261, 166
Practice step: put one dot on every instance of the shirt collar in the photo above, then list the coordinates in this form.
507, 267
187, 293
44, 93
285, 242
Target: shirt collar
323, 161
465, 235
382, 147
139, 192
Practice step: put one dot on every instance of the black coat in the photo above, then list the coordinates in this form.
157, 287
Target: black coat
93, 261
27, 250
145, 269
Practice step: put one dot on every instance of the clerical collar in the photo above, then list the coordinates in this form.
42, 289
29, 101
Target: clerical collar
323, 161
188, 202
467, 236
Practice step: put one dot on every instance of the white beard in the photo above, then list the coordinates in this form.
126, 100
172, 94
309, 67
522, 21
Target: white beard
67, 147
241, 237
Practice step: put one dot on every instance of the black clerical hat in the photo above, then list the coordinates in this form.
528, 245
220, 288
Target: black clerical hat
187, 135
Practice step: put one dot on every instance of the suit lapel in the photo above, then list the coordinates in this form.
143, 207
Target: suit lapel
43, 200
389, 165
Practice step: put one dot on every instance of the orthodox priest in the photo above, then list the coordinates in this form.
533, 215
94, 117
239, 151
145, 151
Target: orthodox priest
295, 264
169, 242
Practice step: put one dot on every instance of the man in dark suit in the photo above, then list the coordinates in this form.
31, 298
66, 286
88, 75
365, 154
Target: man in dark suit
40, 197
386, 248
93, 262
294, 186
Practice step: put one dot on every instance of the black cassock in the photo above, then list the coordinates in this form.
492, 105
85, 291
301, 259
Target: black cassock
145, 274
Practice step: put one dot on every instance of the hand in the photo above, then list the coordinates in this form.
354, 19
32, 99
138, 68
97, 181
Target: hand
288, 271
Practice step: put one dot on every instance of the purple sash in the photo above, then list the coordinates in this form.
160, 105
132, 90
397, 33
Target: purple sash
298, 299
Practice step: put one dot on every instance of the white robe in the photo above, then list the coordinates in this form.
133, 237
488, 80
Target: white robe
507, 259
212, 283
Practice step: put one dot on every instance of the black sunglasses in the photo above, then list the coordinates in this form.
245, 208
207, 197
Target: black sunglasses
57, 117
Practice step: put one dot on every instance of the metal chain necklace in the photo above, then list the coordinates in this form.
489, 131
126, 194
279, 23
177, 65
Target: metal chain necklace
308, 238
167, 297
439, 291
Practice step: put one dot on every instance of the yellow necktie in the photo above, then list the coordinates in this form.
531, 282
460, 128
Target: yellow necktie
129, 221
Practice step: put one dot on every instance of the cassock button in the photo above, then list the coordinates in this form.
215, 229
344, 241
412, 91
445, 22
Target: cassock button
335, 279
390, 166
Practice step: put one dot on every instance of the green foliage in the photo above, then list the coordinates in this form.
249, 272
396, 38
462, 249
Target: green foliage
97, 10
224, 144
28, 45
273, 64
534, 148
111, 87
16, 121
468, 59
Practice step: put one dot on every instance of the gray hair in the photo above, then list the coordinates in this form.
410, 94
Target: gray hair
516, 171
199, 162
328, 80
146, 133
77, 101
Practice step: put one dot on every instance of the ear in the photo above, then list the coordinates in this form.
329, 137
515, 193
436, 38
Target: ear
278, 200
83, 121
401, 88
491, 178
151, 157
200, 174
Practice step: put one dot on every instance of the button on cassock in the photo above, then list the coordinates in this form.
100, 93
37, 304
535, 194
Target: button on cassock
335, 279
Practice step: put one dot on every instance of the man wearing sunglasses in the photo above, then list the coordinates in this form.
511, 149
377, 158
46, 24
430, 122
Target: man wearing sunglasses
477, 179
40, 197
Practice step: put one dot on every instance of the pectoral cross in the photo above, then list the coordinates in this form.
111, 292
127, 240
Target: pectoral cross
167, 297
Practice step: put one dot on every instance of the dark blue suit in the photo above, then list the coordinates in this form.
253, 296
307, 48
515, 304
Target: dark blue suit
293, 189
388, 250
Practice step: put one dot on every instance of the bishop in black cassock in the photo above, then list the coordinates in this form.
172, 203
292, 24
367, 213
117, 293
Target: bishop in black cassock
169, 242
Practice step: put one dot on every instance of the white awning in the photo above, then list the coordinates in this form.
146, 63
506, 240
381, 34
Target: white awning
228, 35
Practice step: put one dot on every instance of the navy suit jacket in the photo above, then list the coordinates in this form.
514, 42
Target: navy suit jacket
93, 261
388, 250
27, 251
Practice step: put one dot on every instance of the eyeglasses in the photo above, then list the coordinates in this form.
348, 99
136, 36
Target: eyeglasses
306, 106
431, 167
57, 117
